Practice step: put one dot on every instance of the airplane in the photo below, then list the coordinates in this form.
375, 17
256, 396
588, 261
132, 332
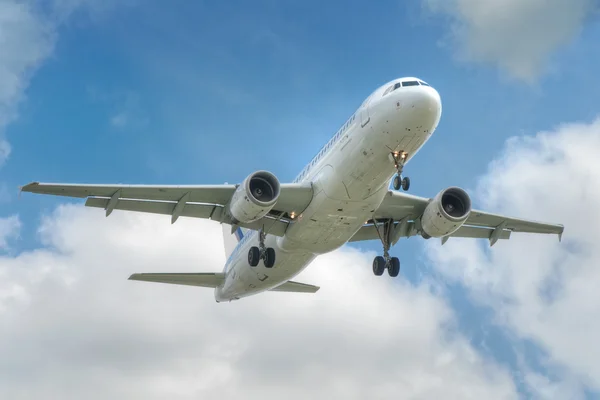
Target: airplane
272, 231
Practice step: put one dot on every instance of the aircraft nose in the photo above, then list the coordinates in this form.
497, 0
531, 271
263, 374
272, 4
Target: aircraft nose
428, 103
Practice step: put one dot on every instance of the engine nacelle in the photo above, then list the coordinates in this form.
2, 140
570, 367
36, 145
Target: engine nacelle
447, 212
254, 198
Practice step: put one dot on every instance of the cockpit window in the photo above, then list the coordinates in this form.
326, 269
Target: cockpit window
410, 83
403, 84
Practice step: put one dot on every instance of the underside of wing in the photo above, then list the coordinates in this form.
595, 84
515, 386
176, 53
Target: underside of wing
208, 279
296, 287
407, 213
198, 201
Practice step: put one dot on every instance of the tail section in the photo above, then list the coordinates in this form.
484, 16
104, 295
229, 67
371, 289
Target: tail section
231, 239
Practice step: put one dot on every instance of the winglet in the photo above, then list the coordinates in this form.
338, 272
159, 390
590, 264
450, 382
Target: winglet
560, 234
27, 188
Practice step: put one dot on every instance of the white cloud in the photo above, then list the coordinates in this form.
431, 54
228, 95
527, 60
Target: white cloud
542, 290
26, 40
9, 228
517, 36
71, 321
28, 32
129, 114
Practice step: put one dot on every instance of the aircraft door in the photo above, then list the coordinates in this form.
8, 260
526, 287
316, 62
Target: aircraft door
364, 113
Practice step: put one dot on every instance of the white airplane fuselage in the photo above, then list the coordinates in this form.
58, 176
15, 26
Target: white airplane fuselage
350, 178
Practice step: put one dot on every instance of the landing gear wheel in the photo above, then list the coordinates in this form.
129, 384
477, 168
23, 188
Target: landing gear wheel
405, 183
269, 257
394, 267
396, 182
253, 256
378, 265
399, 181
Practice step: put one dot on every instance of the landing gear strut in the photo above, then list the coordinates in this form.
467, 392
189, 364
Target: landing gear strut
381, 263
399, 181
267, 254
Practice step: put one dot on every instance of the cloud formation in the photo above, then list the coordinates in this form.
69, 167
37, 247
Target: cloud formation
71, 321
27, 39
28, 32
9, 228
539, 289
515, 35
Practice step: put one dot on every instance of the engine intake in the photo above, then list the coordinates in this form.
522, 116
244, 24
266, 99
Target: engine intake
254, 197
447, 212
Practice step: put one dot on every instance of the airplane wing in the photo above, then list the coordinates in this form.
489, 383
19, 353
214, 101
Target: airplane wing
198, 201
296, 287
406, 209
212, 280
207, 279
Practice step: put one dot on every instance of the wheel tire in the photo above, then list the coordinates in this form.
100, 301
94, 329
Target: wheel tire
396, 182
253, 256
378, 265
270, 257
394, 267
405, 183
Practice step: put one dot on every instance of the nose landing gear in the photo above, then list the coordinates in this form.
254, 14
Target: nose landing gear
380, 263
267, 254
399, 181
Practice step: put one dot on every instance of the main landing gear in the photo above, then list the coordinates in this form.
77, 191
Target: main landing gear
399, 181
267, 254
381, 263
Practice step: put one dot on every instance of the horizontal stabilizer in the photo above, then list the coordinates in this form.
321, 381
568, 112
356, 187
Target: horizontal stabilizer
296, 287
209, 279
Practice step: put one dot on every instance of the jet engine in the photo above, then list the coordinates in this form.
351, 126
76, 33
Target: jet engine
447, 212
254, 197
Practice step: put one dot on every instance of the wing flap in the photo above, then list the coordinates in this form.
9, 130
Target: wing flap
206, 279
207, 211
296, 287
156, 207
368, 232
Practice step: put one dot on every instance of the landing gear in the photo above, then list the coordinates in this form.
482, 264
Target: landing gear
381, 263
394, 267
269, 257
378, 265
253, 256
399, 181
267, 254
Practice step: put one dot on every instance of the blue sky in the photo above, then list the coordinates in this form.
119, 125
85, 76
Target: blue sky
207, 92
276, 80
